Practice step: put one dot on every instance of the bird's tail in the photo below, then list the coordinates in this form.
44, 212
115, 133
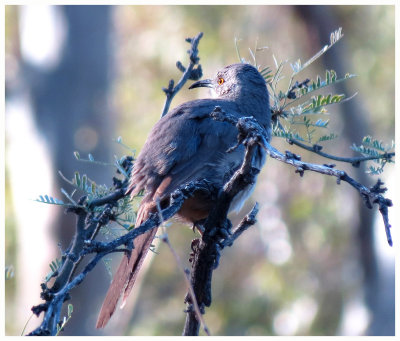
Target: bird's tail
128, 269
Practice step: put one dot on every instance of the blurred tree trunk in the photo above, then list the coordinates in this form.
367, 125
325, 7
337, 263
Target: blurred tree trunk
72, 111
378, 294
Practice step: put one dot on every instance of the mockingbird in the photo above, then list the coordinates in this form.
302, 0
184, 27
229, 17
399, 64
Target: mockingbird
187, 145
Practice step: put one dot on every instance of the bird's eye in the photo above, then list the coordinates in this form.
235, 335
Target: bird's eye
221, 81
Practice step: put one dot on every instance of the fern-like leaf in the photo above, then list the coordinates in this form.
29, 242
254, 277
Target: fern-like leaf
46, 199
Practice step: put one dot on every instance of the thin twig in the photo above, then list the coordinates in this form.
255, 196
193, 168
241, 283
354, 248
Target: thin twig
369, 195
26, 324
84, 244
247, 221
186, 272
355, 161
189, 73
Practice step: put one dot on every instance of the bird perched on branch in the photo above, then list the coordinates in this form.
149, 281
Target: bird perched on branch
187, 145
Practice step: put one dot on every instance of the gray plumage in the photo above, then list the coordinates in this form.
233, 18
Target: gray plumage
188, 145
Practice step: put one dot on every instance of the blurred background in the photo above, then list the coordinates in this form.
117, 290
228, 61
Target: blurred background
77, 77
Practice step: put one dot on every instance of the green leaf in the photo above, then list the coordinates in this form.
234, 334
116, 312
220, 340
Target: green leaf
9, 272
84, 180
333, 76
321, 123
50, 200
374, 148
375, 170
93, 187
336, 36
327, 137
54, 266
330, 79
296, 66
70, 309
286, 134
266, 73
320, 101
77, 179
65, 320
370, 145
373, 143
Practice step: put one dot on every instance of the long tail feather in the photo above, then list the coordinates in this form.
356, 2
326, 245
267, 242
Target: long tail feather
128, 269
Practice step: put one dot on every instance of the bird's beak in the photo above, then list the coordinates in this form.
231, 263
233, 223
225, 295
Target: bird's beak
205, 83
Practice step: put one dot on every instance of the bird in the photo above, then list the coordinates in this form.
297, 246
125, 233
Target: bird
187, 145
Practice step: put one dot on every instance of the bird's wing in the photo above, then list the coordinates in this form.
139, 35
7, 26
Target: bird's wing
186, 146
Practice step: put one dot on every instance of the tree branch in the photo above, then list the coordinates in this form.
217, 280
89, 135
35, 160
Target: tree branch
186, 272
370, 195
188, 73
90, 220
248, 221
355, 161
83, 244
217, 230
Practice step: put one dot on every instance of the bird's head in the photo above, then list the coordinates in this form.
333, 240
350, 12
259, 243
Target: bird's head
234, 81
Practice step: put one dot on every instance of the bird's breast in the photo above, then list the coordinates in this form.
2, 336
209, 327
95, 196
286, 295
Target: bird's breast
240, 198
